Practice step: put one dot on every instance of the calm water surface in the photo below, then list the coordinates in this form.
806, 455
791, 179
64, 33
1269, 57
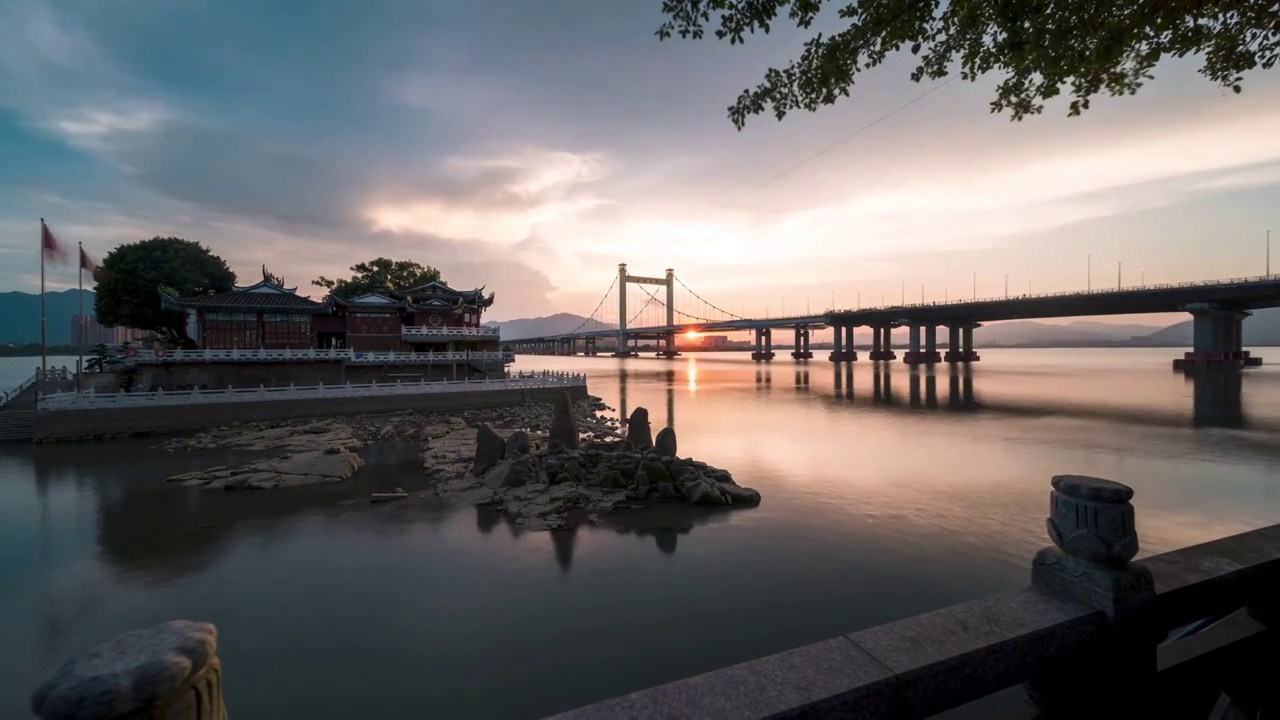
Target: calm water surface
884, 496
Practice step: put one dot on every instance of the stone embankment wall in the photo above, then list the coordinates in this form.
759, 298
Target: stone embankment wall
64, 425
215, 376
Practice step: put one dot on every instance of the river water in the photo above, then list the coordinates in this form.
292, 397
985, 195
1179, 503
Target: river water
885, 495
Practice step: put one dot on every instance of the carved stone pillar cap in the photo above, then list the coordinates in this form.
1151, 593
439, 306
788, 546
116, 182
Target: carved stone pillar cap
1092, 489
127, 675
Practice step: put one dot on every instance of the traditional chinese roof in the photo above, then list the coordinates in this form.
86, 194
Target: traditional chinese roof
264, 296
372, 300
438, 296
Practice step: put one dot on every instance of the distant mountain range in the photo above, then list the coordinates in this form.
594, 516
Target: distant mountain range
1263, 328
557, 324
20, 316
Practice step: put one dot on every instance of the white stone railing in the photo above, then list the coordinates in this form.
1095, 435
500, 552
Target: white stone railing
161, 355
431, 331
91, 400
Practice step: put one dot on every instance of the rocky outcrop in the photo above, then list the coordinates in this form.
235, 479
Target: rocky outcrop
665, 443
490, 449
518, 443
294, 470
564, 430
638, 429
555, 487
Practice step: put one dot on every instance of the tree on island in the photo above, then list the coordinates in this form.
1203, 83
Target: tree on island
379, 274
131, 276
1040, 48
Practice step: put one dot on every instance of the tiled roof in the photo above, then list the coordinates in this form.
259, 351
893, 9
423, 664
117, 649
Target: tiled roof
249, 301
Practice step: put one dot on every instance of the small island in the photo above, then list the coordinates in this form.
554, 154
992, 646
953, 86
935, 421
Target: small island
542, 465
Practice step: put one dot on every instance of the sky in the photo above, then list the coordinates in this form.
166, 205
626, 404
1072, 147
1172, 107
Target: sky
531, 147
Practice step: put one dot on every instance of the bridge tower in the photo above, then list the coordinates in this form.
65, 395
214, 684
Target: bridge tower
669, 282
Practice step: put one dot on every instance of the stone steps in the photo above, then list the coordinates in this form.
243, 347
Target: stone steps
17, 425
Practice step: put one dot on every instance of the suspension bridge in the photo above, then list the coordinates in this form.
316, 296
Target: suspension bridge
629, 313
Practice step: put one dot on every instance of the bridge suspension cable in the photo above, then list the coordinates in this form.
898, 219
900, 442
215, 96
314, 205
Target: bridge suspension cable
599, 305
646, 307
654, 298
709, 304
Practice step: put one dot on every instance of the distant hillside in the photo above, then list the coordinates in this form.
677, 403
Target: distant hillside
1084, 332
1262, 328
557, 324
21, 316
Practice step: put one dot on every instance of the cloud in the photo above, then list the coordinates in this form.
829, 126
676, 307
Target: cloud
500, 197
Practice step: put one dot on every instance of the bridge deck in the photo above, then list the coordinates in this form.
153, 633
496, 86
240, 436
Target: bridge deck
1239, 294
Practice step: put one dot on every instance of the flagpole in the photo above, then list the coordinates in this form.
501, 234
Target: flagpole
44, 351
84, 326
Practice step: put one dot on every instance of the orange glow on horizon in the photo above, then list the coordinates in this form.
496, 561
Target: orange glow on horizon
691, 334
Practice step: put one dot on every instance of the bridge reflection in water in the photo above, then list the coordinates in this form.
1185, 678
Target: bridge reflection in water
1217, 397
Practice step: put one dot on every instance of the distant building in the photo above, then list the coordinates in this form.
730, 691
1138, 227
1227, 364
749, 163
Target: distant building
715, 342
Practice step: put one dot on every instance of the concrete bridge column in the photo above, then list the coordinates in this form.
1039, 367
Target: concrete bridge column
953, 344
764, 345
967, 341
669, 339
886, 344
849, 352
801, 350
1217, 340
837, 344
913, 356
875, 342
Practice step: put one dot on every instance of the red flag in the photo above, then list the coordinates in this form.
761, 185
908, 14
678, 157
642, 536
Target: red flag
87, 263
52, 249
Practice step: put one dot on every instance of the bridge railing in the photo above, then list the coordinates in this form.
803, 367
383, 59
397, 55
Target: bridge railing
1095, 635
91, 400
162, 355
412, 332
12, 394
1072, 293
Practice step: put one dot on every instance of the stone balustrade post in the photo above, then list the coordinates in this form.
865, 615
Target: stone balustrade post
167, 672
1091, 524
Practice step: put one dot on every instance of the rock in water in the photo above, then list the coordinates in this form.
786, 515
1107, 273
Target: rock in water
517, 444
740, 495
563, 428
490, 449
638, 429
665, 443
701, 493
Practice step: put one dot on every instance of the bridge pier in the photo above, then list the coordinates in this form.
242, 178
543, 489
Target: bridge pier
927, 355
801, 349
764, 345
882, 343
669, 341
1217, 340
960, 344
842, 344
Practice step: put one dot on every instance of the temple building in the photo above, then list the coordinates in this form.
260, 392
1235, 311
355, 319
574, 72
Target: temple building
266, 315
431, 317
263, 315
